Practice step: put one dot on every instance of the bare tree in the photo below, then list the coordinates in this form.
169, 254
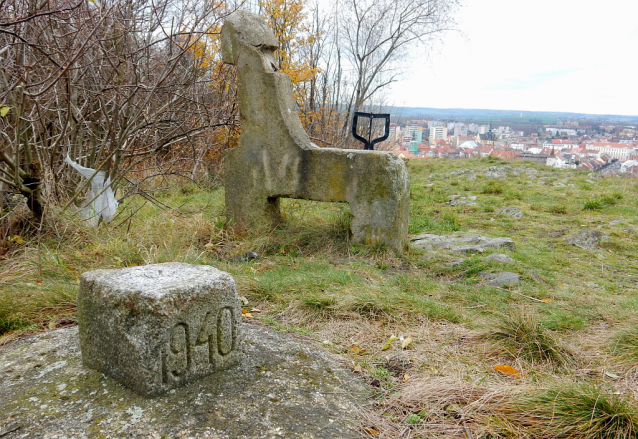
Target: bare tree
118, 85
377, 35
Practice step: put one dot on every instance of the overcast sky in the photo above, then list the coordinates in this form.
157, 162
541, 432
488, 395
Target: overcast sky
537, 55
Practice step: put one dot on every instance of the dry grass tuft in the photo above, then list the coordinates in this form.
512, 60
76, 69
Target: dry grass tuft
625, 345
444, 406
579, 411
521, 335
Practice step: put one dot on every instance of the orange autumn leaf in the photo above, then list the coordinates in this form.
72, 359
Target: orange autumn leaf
509, 370
546, 300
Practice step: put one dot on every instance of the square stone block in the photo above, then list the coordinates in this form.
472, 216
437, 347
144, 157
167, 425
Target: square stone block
156, 327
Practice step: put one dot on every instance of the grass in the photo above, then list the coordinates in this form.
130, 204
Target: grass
521, 335
563, 327
625, 344
581, 411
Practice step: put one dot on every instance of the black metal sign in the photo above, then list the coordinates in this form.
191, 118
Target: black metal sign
369, 142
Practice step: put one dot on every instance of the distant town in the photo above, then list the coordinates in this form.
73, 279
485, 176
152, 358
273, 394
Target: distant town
572, 143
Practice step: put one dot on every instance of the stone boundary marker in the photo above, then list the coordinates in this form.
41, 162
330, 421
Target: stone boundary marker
157, 327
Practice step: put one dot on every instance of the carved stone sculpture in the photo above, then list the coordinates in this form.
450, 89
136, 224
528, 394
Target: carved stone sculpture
275, 157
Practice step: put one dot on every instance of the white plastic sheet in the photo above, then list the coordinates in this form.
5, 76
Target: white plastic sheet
100, 199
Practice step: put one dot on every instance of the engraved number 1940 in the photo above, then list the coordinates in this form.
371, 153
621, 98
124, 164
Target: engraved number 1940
217, 331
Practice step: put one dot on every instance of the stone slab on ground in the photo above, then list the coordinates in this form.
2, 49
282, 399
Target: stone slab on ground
500, 279
587, 239
472, 243
284, 387
499, 257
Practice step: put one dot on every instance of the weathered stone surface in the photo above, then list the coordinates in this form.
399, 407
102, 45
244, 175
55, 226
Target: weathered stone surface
473, 243
156, 327
283, 387
454, 263
500, 279
499, 257
496, 172
507, 243
458, 200
513, 212
275, 157
534, 275
467, 249
586, 239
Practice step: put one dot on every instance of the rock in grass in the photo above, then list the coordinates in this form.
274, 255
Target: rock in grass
500, 279
473, 243
535, 276
499, 257
513, 212
587, 239
506, 243
468, 249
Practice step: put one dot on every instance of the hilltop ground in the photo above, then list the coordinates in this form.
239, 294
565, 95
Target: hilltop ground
564, 338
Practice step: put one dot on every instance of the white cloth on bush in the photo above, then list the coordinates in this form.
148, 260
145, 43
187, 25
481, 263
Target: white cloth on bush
100, 199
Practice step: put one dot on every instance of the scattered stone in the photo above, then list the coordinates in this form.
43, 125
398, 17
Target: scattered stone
283, 387
500, 279
587, 239
590, 181
616, 222
592, 285
248, 256
458, 200
499, 257
468, 249
429, 185
469, 244
513, 212
534, 275
160, 326
560, 185
424, 245
495, 172
631, 230
506, 243
455, 263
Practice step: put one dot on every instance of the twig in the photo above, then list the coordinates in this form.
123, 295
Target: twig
10, 429
466, 429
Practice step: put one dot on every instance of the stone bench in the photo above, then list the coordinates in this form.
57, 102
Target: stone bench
156, 327
276, 159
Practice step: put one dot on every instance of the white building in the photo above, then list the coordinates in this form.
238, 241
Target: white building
437, 133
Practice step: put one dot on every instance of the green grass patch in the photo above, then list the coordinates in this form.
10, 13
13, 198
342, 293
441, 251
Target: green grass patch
581, 411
